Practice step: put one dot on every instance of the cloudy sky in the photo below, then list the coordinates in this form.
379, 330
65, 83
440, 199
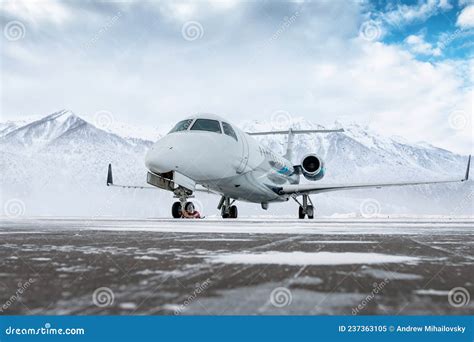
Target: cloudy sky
404, 68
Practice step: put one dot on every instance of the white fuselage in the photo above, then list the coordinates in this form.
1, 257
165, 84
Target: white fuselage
241, 169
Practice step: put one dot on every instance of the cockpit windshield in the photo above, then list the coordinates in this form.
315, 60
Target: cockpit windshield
207, 125
182, 126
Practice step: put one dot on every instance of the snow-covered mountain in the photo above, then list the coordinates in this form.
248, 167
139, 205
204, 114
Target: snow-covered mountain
360, 153
57, 165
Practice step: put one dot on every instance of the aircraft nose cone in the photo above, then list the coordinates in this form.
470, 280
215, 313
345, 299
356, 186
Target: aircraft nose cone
197, 155
161, 157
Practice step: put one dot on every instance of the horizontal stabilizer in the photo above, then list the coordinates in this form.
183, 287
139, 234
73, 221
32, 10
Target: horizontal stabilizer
304, 131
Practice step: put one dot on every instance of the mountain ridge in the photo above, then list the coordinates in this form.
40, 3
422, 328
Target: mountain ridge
64, 151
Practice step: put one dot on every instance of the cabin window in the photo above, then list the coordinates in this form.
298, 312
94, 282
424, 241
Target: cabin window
228, 130
182, 126
207, 125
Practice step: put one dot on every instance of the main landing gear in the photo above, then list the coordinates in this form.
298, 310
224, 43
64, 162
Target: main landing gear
228, 210
306, 208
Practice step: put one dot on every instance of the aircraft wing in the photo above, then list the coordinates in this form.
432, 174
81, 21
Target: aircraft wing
110, 182
145, 187
314, 188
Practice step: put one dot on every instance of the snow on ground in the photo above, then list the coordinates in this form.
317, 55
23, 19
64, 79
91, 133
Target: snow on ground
304, 258
162, 266
338, 241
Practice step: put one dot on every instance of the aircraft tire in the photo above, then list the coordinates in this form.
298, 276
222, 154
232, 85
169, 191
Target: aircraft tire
224, 214
233, 212
301, 213
176, 210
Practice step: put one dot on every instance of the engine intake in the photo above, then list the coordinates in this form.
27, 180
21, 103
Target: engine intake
312, 167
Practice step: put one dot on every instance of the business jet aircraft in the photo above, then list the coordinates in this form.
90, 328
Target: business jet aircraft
207, 153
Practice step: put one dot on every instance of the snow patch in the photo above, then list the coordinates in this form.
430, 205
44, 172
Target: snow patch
338, 241
145, 257
305, 258
431, 292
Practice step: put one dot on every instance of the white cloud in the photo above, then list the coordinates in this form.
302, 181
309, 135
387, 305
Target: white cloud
418, 45
315, 68
466, 18
405, 14
37, 11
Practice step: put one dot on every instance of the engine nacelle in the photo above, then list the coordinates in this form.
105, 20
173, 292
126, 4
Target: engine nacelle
312, 167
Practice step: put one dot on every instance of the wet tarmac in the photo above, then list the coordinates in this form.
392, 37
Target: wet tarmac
253, 266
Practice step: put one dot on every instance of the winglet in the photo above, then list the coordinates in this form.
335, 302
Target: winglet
110, 180
466, 177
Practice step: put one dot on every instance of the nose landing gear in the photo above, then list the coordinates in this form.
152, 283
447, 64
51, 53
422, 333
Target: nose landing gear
228, 210
179, 208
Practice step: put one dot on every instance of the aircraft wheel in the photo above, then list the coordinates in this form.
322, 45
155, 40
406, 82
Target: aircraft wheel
225, 213
233, 212
310, 211
176, 210
188, 206
301, 213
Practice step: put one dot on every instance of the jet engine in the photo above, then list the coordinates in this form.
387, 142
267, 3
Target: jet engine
312, 167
